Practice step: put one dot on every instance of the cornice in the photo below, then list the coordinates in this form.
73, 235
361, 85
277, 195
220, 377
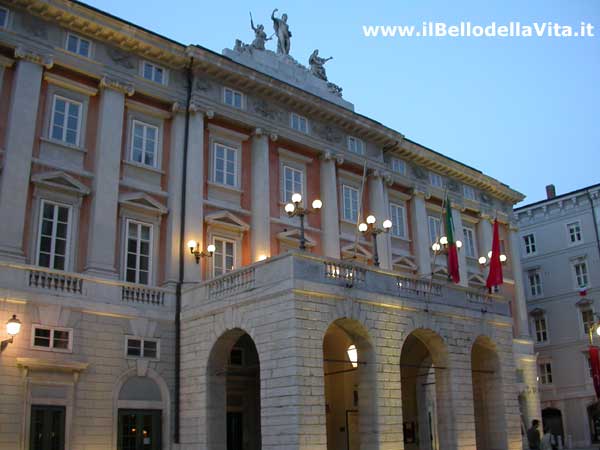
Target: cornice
33, 57
117, 85
67, 83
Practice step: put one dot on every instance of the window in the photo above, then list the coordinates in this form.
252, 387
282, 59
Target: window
530, 247
435, 225
3, 17
545, 373
58, 339
398, 218
436, 180
139, 255
292, 183
541, 330
356, 145
469, 193
574, 232
53, 235
470, 246
153, 72
233, 98
581, 274
144, 143
78, 45
587, 318
225, 165
350, 203
66, 120
398, 166
224, 256
299, 123
141, 347
535, 283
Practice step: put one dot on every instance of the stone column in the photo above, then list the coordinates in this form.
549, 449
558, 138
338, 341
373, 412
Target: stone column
462, 253
378, 207
330, 221
107, 164
420, 233
520, 303
260, 235
484, 235
20, 136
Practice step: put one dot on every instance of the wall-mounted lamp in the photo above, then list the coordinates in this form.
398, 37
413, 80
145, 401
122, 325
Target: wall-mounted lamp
483, 261
369, 228
353, 355
295, 208
13, 326
195, 250
442, 245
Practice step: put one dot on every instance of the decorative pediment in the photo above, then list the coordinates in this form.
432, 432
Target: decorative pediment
292, 238
348, 252
60, 181
405, 262
584, 303
477, 279
143, 202
227, 220
440, 271
537, 312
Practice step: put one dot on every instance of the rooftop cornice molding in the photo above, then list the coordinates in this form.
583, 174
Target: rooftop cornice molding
570, 199
28, 55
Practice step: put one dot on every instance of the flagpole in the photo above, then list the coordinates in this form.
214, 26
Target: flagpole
435, 253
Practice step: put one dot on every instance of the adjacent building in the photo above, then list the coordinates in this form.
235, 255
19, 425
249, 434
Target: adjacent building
119, 146
560, 252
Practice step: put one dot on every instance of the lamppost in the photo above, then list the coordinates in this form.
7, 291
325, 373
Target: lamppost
441, 245
13, 326
195, 250
369, 228
483, 261
295, 208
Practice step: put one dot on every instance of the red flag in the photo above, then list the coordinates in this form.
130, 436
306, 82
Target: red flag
495, 276
453, 271
595, 363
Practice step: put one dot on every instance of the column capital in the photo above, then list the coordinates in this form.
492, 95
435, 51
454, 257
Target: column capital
457, 206
485, 216
375, 173
330, 156
117, 85
27, 55
419, 194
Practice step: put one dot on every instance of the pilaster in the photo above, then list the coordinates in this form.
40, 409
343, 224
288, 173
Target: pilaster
520, 301
378, 207
462, 254
420, 233
330, 221
260, 234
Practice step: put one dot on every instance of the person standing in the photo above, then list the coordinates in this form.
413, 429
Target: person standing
533, 435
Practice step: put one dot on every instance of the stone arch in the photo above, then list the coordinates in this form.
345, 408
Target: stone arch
350, 386
233, 392
164, 404
488, 395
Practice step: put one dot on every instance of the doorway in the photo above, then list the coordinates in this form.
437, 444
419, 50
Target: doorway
139, 429
47, 428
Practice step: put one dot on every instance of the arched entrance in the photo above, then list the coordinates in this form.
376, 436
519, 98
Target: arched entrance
425, 379
349, 370
233, 394
552, 420
488, 396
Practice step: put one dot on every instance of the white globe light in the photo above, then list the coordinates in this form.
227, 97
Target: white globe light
362, 227
353, 355
296, 198
482, 260
490, 254
503, 258
289, 208
371, 219
211, 248
436, 247
444, 240
598, 331
387, 224
13, 326
317, 204
192, 244
458, 244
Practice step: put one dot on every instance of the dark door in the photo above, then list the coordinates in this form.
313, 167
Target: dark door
47, 428
139, 429
235, 431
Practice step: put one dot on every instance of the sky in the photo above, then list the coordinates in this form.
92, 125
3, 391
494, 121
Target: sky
522, 110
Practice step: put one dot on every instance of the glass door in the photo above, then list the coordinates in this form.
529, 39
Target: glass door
47, 428
139, 429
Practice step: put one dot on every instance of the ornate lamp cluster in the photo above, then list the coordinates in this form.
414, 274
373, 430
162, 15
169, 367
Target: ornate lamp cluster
441, 245
369, 228
195, 250
483, 261
296, 208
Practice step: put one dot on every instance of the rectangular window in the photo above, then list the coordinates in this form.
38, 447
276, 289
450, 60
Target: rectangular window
3, 17
435, 226
587, 318
436, 180
350, 203
58, 339
233, 98
545, 373
530, 246
225, 165
581, 274
54, 233
299, 123
292, 183
541, 330
144, 143
535, 283
139, 252
224, 256
470, 245
398, 218
142, 347
356, 145
66, 120
574, 232
153, 72
469, 193
398, 166
78, 45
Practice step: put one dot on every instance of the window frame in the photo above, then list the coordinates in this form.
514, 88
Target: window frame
533, 251
437, 225
4, 26
127, 221
582, 322
358, 205
545, 331
225, 240
570, 242
40, 218
545, 374
357, 143
79, 39
398, 162
293, 169
299, 118
402, 208
67, 100
472, 196
436, 176
236, 182
155, 66
145, 126
233, 94
539, 287
51, 347
142, 346
472, 240
580, 262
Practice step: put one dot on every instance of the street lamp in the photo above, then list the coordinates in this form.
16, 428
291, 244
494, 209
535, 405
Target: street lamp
195, 250
483, 261
442, 245
13, 326
369, 228
295, 208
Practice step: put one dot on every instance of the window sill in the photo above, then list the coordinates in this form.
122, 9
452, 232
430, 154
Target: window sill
143, 166
54, 350
224, 187
77, 148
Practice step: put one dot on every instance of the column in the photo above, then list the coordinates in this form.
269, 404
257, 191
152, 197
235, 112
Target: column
484, 235
330, 221
260, 234
107, 166
520, 304
378, 207
462, 254
20, 136
420, 233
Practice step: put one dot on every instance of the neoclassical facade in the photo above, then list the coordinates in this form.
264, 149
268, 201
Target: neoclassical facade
118, 146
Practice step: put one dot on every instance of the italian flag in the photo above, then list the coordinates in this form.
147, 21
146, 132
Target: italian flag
452, 250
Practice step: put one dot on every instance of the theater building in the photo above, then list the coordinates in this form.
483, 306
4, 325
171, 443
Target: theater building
118, 146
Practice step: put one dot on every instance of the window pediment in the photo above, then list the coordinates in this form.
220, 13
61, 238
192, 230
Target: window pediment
227, 220
348, 251
292, 237
61, 181
477, 279
405, 262
142, 201
537, 312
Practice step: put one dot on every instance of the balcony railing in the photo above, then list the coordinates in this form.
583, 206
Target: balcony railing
57, 282
237, 281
